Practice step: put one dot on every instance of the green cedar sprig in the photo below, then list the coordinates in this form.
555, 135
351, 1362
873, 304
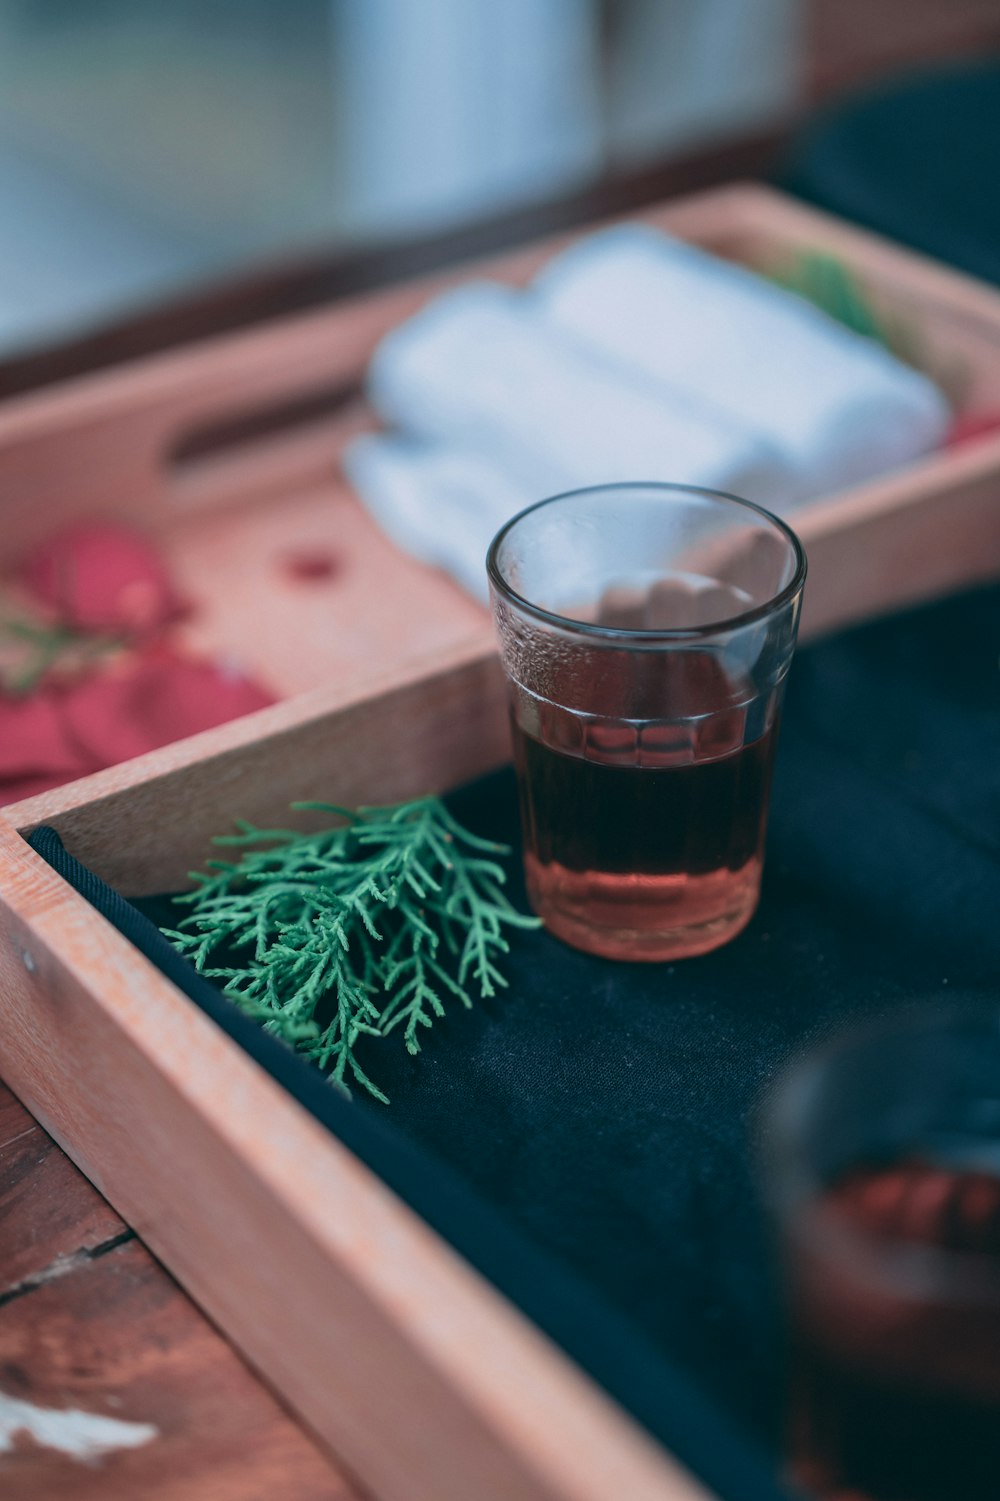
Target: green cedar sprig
353, 931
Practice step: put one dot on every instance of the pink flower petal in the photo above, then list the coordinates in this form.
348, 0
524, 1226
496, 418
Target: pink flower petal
102, 578
158, 699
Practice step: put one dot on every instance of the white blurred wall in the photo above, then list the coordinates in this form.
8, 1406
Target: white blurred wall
145, 146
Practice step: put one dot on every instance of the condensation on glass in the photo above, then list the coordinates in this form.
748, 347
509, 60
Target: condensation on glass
646, 632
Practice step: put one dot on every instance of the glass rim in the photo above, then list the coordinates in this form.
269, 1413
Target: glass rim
628, 633
792, 1182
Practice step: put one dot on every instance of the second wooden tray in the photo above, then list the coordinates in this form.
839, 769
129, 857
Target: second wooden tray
260, 1213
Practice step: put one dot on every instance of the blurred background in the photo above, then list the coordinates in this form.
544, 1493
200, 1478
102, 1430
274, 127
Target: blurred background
150, 149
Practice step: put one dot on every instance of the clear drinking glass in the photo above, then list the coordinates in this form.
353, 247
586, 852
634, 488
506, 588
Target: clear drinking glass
883, 1169
646, 632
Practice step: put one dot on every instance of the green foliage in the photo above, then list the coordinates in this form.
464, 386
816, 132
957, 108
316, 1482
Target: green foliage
354, 931
832, 286
827, 283
30, 649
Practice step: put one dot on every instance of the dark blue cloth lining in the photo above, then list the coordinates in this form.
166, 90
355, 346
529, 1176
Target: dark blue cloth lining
602, 1172
661, 1396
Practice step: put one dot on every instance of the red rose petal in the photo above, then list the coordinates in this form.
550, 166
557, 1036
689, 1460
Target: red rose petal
102, 578
34, 741
972, 425
159, 699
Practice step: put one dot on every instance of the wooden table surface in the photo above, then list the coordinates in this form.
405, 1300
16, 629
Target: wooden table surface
113, 1387
98, 1344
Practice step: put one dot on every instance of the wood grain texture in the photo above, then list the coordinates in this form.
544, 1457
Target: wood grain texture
90, 1322
262, 1215
15, 1121
298, 636
392, 637
49, 1213
109, 444
116, 1337
411, 733
428, 1383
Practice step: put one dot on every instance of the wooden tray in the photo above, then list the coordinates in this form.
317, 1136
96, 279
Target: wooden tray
418, 1373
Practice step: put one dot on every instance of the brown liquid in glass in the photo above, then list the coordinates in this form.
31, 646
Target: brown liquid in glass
643, 836
896, 1394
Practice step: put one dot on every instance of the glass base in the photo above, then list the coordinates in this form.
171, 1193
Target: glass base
643, 917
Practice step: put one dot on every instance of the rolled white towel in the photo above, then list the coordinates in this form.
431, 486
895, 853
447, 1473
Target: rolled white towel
839, 408
478, 368
441, 503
